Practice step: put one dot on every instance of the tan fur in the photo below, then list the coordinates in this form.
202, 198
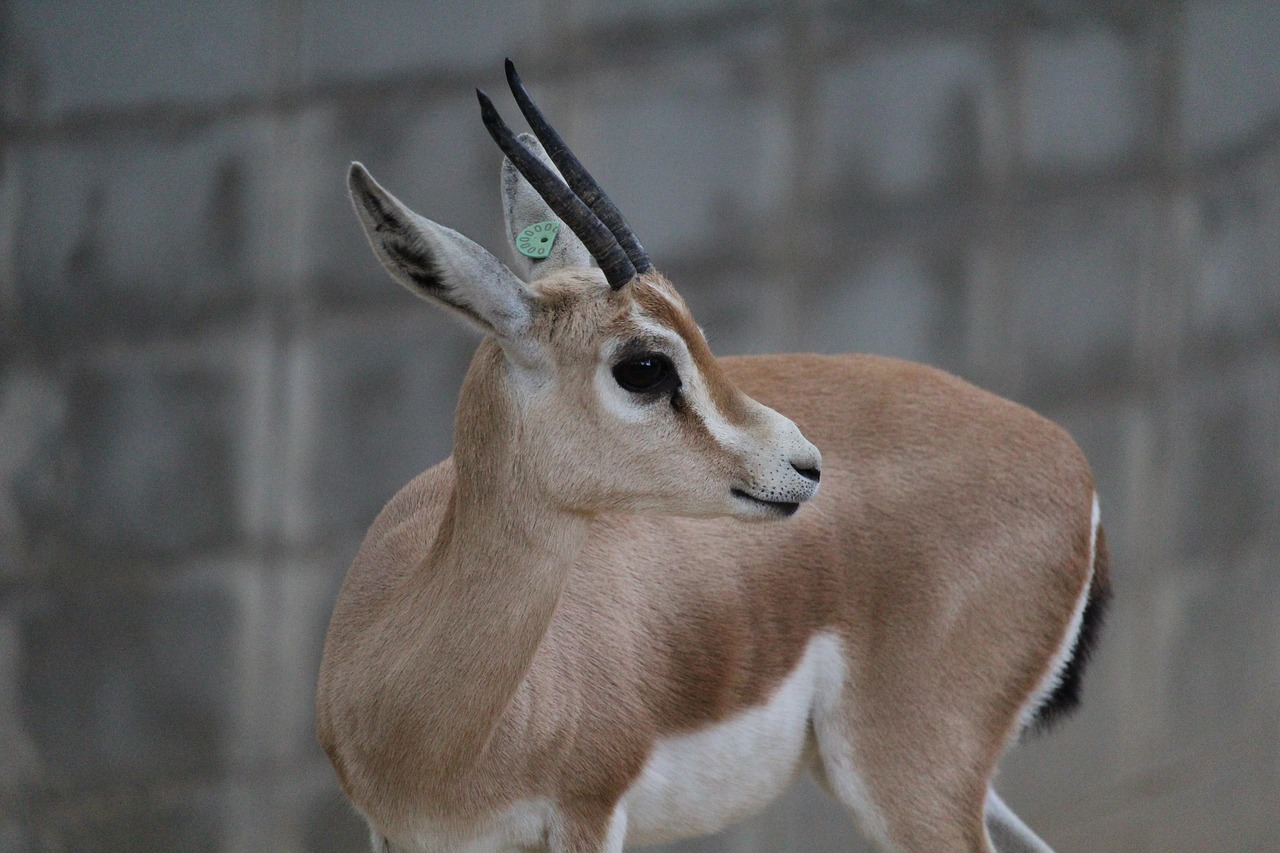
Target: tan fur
507, 633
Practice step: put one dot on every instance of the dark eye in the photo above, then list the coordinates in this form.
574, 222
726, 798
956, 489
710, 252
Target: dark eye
646, 374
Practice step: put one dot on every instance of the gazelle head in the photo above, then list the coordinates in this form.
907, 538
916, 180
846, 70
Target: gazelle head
595, 371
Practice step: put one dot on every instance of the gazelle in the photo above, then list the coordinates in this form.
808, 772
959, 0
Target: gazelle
624, 613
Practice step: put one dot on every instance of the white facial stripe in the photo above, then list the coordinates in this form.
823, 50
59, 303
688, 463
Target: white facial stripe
657, 330
666, 293
615, 400
771, 468
627, 408
769, 450
620, 403
772, 448
695, 387
724, 433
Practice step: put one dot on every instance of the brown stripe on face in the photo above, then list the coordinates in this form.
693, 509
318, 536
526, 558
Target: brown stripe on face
673, 314
690, 418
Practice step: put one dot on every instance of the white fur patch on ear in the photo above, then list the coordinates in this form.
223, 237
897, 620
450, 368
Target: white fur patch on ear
522, 207
438, 263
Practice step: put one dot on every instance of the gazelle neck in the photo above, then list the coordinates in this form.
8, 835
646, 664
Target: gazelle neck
491, 580
500, 521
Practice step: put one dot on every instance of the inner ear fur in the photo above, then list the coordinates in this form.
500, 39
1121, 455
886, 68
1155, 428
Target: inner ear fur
522, 206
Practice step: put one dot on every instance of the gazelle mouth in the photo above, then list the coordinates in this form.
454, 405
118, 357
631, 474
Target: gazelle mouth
781, 508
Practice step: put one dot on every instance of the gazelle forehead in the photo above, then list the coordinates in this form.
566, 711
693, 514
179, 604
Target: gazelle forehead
572, 309
578, 305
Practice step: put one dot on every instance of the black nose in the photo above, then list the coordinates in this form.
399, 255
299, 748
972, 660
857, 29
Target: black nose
808, 473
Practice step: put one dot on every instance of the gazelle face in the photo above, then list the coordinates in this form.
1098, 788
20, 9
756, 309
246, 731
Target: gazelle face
625, 410
614, 401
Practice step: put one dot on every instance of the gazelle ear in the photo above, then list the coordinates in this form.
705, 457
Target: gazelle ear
523, 208
438, 263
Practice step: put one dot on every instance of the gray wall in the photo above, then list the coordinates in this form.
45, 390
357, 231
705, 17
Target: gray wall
208, 388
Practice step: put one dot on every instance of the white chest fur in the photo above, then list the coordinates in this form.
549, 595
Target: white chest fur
699, 783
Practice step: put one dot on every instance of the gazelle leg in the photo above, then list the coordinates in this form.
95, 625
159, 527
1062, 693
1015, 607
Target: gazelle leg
617, 832
1008, 832
590, 834
894, 791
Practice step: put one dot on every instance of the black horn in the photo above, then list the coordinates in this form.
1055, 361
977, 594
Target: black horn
576, 175
573, 211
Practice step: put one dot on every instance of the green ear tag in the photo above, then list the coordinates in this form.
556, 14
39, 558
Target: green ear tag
536, 240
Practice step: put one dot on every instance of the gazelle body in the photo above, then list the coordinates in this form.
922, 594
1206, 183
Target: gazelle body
602, 621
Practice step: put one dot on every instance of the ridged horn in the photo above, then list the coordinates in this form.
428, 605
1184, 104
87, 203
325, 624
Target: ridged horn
576, 175
573, 211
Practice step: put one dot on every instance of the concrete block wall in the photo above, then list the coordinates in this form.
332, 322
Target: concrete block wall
208, 388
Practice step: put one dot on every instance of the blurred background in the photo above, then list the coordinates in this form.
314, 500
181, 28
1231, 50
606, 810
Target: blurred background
208, 387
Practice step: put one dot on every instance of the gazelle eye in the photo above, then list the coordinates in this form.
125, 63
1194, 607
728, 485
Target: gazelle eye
648, 373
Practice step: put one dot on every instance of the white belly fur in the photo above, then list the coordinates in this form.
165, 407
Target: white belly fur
693, 784
698, 783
